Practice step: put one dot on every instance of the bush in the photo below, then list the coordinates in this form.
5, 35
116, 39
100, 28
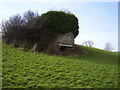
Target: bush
32, 30
60, 21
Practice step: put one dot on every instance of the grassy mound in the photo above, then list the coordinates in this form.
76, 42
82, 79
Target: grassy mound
98, 69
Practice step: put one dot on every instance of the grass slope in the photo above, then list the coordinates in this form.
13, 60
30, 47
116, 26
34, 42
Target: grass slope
97, 69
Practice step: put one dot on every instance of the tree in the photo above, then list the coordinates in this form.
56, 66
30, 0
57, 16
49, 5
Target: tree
11, 27
88, 43
108, 47
4, 27
29, 16
61, 22
31, 29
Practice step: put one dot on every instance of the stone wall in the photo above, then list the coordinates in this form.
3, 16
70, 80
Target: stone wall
67, 38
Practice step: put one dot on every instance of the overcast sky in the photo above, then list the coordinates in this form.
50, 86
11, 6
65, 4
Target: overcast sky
98, 21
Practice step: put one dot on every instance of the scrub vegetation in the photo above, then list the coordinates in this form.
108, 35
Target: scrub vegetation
38, 32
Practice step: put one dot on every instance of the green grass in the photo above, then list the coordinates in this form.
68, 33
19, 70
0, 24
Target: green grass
97, 69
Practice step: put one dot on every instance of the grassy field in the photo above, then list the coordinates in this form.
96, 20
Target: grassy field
21, 69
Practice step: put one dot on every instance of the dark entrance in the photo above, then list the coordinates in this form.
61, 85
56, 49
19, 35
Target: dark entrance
63, 47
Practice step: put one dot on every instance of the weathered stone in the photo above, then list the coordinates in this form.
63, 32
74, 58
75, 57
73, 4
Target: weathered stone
67, 39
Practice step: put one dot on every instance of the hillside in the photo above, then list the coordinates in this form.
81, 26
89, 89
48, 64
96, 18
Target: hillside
21, 69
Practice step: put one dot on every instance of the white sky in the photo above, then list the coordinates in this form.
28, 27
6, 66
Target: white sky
38, 1
98, 21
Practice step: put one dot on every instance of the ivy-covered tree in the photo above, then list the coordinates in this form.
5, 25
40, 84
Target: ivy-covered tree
61, 22
31, 29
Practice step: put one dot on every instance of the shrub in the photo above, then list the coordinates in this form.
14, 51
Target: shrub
60, 21
32, 30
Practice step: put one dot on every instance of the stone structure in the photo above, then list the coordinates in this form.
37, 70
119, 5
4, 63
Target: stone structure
63, 43
66, 40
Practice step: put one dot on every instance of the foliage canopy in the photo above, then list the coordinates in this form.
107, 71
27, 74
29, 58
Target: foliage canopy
62, 22
31, 28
